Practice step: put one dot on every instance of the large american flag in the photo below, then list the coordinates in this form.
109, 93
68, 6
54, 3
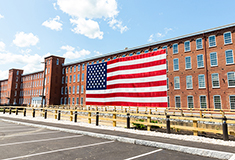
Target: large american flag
138, 80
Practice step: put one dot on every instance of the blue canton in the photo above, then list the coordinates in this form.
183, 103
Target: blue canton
96, 76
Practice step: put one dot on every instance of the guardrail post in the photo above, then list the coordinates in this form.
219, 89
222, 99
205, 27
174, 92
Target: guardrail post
10, 111
89, 117
45, 115
24, 112
168, 124
56, 112
148, 126
97, 118
4, 110
128, 120
71, 115
75, 116
225, 129
59, 115
16, 111
114, 122
201, 114
195, 125
33, 112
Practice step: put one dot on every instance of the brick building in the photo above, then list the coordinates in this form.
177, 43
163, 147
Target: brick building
201, 73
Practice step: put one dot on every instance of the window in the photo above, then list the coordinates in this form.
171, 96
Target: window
82, 88
63, 80
65, 99
61, 100
15, 93
201, 81
69, 90
131, 54
97, 62
167, 83
155, 49
177, 82
146, 51
83, 66
213, 58
167, 65
74, 69
199, 43
67, 69
175, 48
203, 101
215, 80
177, 102
227, 38
231, 79
78, 78
17, 73
168, 101
83, 77
217, 102
81, 100
73, 89
77, 102
66, 79
16, 85
74, 78
57, 61
77, 89
114, 57
66, 90
212, 41
92, 62
200, 62
69, 101
123, 55
165, 47
63, 71
190, 101
71, 68
188, 63
189, 83
70, 79
102, 60
176, 64
62, 90
73, 101
79, 67
232, 102
186, 46
229, 56
137, 53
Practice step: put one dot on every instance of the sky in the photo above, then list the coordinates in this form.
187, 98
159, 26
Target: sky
78, 29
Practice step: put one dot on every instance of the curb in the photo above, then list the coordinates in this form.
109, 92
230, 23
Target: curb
179, 148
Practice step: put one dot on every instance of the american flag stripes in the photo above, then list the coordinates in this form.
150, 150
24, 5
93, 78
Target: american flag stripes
138, 80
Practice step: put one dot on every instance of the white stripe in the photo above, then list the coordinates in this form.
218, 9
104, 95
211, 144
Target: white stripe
128, 99
142, 155
137, 61
40, 140
58, 150
138, 70
32, 133
17, 130
128, 90
137, 80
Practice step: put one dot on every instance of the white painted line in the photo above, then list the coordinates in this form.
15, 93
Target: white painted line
40, 140
145, 154
12, 126
26, 134
17, 130
59, 150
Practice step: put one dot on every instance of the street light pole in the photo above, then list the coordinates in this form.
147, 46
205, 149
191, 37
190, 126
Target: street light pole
44, 75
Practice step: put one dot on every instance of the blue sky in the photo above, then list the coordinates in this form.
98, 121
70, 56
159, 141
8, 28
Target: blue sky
78, 29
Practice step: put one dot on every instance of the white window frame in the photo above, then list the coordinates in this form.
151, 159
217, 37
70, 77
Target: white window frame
174, 64
188, 101
210, 42
230, 38
213, 65
175, 83
200, 81
175, 50
201, 102
202, 61
230, 102
191, 79
187, 63
212, 80
197, 43
226, 57
185, 49
229, 79
220, 102
179, 102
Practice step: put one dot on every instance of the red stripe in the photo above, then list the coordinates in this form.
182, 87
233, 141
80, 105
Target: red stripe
142, 94
150, 54
138, 75
137, 85
152, 104
136, 66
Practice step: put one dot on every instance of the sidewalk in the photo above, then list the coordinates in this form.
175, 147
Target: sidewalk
105, 131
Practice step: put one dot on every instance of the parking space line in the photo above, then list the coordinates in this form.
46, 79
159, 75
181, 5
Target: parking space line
40, 140
13, 126
58, 150
32, 133
17, 130
145, 154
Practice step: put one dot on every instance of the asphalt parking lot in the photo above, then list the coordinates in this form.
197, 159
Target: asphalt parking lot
24, 142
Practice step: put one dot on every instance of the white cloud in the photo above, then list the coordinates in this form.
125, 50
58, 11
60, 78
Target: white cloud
26, 51
53, 24
1, 16
151, 38
85, 13
71, 53
25, 40
117, 24
54, 5
88, 28
158, 36
2, 46
98, 53
3, 74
